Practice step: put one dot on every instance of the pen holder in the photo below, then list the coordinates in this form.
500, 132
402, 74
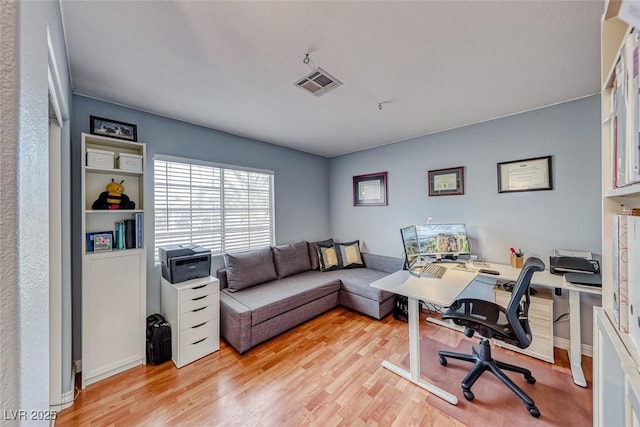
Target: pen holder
517, 261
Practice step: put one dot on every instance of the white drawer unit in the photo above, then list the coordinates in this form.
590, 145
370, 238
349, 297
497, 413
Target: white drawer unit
192, 309
540, 321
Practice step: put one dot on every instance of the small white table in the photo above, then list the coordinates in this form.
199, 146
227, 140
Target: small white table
437, 291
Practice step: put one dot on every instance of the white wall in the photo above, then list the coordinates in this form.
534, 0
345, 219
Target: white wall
24, 264
538, 222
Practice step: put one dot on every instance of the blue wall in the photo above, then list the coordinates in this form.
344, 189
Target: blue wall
301, 190
568, 217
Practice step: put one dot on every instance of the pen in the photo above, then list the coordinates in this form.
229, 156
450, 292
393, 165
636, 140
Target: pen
513, 251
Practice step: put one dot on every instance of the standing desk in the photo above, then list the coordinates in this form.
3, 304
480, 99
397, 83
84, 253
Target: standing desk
548, 280
445, 290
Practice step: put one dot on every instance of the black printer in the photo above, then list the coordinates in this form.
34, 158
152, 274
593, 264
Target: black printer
184, 262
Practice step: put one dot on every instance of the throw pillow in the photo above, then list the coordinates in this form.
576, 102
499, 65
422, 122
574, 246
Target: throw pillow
327, 257
291, 259
349, 254
246, 269
313, 252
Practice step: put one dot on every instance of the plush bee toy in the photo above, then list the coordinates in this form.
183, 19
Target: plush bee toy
113, 198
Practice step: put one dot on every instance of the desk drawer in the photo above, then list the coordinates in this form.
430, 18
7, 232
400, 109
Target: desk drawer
197, 332
198, 302
192, 318
199, 291
191, 351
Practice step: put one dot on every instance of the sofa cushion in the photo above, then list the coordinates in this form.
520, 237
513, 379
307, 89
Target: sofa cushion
349, 254
327, 257
291, 259
358, 281
313, 252
246, 269
282, 295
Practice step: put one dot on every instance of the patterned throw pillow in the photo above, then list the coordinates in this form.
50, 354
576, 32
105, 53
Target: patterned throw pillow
327, 257
349, 254
313, 252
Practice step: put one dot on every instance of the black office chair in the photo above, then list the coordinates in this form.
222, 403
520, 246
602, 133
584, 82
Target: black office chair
510, 324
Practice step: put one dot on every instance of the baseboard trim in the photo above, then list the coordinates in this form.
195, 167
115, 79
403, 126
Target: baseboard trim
563, 343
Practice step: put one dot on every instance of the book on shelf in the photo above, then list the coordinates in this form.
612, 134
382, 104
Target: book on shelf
632, 102
620, 264
119, 235
129, 233
139, 219
633, 277
619, 121
625, 114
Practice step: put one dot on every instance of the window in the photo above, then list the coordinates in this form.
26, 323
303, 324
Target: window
218, 207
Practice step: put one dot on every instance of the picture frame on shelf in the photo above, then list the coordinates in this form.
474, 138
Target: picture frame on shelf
100, 241
534, 174
446, 182
370, 189
113, 128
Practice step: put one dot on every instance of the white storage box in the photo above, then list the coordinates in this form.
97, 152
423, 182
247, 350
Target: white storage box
100, 159
130, 162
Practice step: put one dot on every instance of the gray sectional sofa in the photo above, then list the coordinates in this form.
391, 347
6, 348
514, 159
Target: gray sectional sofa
268, 291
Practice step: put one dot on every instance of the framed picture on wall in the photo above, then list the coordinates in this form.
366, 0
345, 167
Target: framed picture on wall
446, 182
113, 129
370, 189
525, 175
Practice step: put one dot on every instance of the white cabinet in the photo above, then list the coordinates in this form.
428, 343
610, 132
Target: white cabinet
192, 309
615, 355
113, 281
540, 321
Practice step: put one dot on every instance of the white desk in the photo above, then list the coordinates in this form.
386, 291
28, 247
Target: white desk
444, 291
548, 280
437, 291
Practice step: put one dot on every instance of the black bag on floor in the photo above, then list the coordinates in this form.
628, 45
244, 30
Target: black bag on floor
158, 340
401, 310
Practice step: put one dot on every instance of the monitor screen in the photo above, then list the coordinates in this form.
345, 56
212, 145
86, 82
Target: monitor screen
434, 240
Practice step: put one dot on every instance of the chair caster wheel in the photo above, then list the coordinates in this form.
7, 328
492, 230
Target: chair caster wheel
443, 361
468, 394
530, 379
534, 412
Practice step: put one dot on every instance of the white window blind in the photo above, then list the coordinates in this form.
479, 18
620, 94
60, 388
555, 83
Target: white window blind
217, 207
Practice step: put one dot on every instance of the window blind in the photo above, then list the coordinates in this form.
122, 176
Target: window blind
224, 209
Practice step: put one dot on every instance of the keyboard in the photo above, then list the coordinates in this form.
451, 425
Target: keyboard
429, 270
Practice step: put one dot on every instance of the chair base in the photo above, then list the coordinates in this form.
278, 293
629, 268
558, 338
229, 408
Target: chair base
483, 361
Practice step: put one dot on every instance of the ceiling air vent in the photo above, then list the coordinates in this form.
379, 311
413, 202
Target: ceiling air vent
318, 82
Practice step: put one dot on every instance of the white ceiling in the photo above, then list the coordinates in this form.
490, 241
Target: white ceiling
434, 65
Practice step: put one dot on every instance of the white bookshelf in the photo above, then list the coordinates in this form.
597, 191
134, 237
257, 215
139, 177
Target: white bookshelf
615, 355
113, 282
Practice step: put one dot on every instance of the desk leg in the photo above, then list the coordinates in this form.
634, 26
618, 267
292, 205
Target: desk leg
414, 358
575, 340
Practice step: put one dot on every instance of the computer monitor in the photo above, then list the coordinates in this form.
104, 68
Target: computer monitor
439, 241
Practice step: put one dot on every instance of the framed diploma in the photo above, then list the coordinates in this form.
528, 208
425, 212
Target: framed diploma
525, 175
370, 190
446, 182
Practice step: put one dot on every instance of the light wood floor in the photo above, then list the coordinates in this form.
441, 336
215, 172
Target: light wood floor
325, 372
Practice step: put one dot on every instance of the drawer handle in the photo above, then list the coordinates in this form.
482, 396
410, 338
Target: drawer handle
199, 341
196, 299
198, 309
201, 324
200, 287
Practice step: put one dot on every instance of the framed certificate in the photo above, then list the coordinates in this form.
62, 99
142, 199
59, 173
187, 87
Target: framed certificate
525, 175
446, 182
370, 190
